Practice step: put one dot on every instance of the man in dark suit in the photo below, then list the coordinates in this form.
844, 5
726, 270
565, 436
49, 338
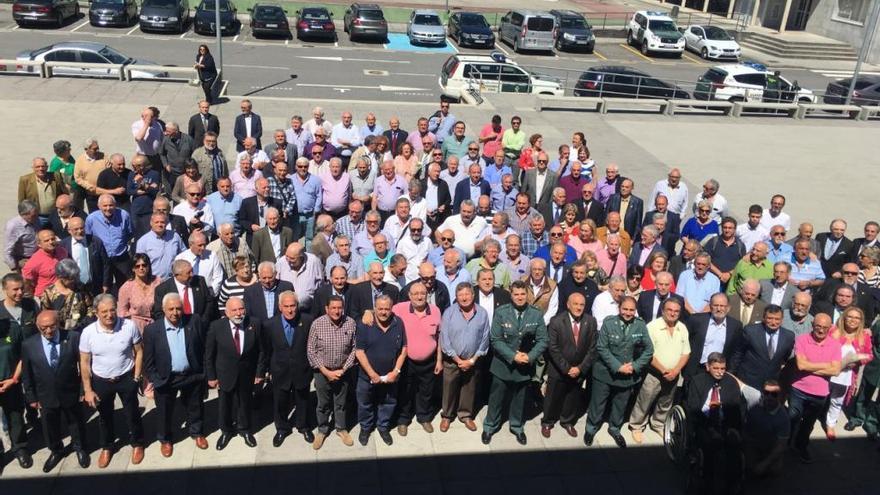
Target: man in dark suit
646, 247
247, 124
649, 303
262, 245
337, 286
285, 338
192, 289
174, 352
872, 228
571, 350
487, 294
530, 182
364, 294
835, 248
673, 220
251, 216
202, 122
631, 205
444, 196
763, 349
828, 299
64, 211
395, 136
779, 286
90, 255
745, 305
552, 210
51, 382
711, 332
233, 353
464, 187
261, 299
588, 207
576, 282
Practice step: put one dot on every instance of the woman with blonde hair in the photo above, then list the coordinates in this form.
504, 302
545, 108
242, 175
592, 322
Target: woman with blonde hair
406, 163
855, 341
583, 238
657, 262
869, 262
594, 271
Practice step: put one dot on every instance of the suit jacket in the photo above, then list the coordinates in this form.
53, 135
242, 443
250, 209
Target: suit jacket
767, 293
290, 151
731, 401
562, 351
441, 295
636, 254
197, 129
673, 221
546, 210
501, 296
223, 362
52, 388
596, 212
645, 305
99, 263
239, 130
841, 255
55, 222
255, 303
632, 221
856, 247
288, 364
864, 297
668, 240
362, 297
248, 215
322, 296
157, 354
530, 186
463, 192
179, 225
443, 195
321, 247
568, 286
401, 138
27, 186
202, 303
262, 244
751, 361
757, 310
698, 326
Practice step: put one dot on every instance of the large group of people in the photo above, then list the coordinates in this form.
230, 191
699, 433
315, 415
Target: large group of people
377, 264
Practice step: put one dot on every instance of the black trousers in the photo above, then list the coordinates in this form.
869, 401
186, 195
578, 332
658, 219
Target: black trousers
208, 88
76, 424
12, 402
563, 402
127, 390
191, 389
417, 391
722, 449
287, 399
236, 408
120, 267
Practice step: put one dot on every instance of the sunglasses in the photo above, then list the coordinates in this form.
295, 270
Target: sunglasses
140, 265
447, 239
556, 234
415, 230
473, 149
850, 273
437, 154
778, 233
196, 195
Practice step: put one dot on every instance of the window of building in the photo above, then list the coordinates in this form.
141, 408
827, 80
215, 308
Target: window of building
852, 10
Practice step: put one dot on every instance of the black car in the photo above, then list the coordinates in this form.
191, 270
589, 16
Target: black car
624, 82
113, 12
315, 23
269, 20
205, 17
866, 91
55, 12
470, 29
164, 15
573, 32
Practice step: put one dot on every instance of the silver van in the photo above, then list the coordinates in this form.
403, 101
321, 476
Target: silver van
528, 30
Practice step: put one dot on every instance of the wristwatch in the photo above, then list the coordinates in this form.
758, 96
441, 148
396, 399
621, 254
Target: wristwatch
397, 370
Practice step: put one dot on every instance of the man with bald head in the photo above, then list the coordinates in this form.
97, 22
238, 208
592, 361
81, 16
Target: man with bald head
540, 181
261, 299
196, 211
114, 180
204, 262
303, 270
363, 295
754, 266
797, 318
674, 190
39, 270
835, 248
252, 215
64, 211
630, 207
161, 245
745, 305
437, 292
113, 226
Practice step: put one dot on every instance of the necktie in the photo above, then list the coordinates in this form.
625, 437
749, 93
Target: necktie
771, 345
394, 142
715, 398
236, 339
288, 334
195, 266
205, 122
187, 307
216, 166
745, 313
85, 272
53, 354
660, 306
575, 331
555, 215
519, 318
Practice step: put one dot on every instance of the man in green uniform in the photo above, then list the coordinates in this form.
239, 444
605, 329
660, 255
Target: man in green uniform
518, 338
11, 396
624, 350
866, 410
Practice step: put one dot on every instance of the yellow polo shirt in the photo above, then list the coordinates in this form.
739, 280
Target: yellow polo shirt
668, 349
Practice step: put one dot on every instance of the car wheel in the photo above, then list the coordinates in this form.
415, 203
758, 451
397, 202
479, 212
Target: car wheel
180, 26
516, 45
345, 27
704, 53
644, 49
629, 38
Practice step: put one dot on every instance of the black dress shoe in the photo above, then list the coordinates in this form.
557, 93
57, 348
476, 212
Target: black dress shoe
24, 459
249, 440
588, 439
851, 425
364, 437
308, 436
223, 441
83, 458
486, 437
279, 437
520, 437
52, 461
618, 439
386, 437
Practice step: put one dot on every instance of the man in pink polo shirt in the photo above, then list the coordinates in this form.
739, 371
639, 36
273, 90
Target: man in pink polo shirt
818, 359
421, 324
335, 189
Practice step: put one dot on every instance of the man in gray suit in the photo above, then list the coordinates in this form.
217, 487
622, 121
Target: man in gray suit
280, 143
540, 175
778, 291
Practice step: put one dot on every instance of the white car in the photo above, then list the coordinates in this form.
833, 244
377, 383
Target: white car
654, 32
86, 52
493, 74
711, 42
749, 81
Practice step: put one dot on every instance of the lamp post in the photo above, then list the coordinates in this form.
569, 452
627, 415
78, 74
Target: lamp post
218, 30
870, 28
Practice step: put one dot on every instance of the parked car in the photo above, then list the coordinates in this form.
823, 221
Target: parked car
425, 27
573, 32
654, 32
315, 23
625, 82
365, 20
269, 19
25, 12
528, 30
749, 81
866, 91
113, 12
205, 17
493, 74
164, 15
470, 29
86, 52
711, 42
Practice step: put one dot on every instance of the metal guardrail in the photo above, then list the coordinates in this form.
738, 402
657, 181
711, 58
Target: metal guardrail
7, 63
189, 71
88, 70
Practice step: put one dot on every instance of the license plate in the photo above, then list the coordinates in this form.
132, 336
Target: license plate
222, 28
106, 18
480, 42
159, 24
668, 46
581, 42
271, 25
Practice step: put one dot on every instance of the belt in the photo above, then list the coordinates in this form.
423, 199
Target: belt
114, 379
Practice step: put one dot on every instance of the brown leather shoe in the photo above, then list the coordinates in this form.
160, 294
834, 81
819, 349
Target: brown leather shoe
470, 425
545, 431
637, 436
167, 449
444, 425
201, 443
346, 438
137, 455
428, 427
571, 431
104, 458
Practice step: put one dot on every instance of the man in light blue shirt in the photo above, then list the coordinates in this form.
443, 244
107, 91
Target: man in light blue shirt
504, 193
176, 345
779, 249
370, 127
441, 123
453, 272
496, 170
697, 285
308, 199
224, 204
160, 245
110, 224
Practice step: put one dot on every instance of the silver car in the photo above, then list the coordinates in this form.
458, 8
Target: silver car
425, 27
86, 52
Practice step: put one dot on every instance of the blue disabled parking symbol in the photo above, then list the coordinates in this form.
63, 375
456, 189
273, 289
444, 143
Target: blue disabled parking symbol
400, 42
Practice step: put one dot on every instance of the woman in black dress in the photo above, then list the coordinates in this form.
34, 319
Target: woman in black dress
207, 71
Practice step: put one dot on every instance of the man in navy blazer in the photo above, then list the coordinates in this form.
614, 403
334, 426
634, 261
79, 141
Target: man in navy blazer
200, 300
99, 265
698, 331
650, 302
673, 220
463, 188
247, 124
632, 218
648, 242
52, 384
763, 349
254, 295
395, 136
174, 351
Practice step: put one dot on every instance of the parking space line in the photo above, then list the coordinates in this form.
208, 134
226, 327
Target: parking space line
132, 30
596, 53
184, 34
500, 45
236, 37
81, 25
16, 27
635, 52
691, 59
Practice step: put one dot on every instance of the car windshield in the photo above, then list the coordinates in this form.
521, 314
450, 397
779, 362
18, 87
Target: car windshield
269, 13
716, 33
474, 20
661, 25
573, 23
312, 15
209, 6
371, 15
427, 20
111, 2
113, 56
160, 3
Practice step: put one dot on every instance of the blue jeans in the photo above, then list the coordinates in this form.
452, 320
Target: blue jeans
376, 403
803, 411
305, 227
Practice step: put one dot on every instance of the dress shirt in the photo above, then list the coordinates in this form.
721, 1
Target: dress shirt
435, 256
782, 252
552, 304
452, 281
418, 208
750, 235
604, 191
335, 191
189, 293
269, 299
21, 241
465, 336
177, 346
677, 197
611, 267
376, 130
115, 233
283, 191
465, 235
224, 209
354, 266
308, 193
809, 270
331, 345
363, 244
152, 140
244, 187
298, 139
237, 334
344, 226
645, 253
206, 266
518, 267
487, 302
604, 306
47, 347
530, 244
668, 349
188, 211
79, 252
441, 125
305, 281
351, 134
493, 174
161, 249
316, 167
387, 192
415, 254
540, 179
830, 247
697, 291
112, 349
517, 222
716, 337
275, 239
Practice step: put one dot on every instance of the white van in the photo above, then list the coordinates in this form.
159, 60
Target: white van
492, 74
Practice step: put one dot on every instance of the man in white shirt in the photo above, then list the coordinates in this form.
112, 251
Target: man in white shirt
317, 121
196, 211
394, 272
346, 137
608, 303
259, 158
415, 247
752, 231
710, 194
466, 226
774, 215
674, 190
204, 262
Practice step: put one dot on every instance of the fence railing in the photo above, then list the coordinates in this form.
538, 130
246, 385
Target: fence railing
121, 72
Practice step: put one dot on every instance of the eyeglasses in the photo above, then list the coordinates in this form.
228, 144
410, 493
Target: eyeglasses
705, 211
317, 153
447, 239
770, 394
473, 149
515, 122
372, 221
542, 161
196, 195
777, 233
437, 154
429, 279
380, 242
556, 234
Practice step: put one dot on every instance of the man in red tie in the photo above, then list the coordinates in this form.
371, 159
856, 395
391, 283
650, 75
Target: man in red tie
192, 289
233, 352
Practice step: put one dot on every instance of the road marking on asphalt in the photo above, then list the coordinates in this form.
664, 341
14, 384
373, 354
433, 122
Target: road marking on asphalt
691, 59
81, 25
340, 59
635, 52
414, 74
184, 34
236, 38
132, 30
596, 53
16, 27
271, 67
500, 45
343, 87
286, 42
842, 73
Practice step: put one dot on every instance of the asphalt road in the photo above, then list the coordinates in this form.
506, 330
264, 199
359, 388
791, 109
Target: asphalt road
345, 70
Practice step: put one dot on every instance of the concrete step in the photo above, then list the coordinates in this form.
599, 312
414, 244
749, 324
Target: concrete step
787, 48
803, 55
